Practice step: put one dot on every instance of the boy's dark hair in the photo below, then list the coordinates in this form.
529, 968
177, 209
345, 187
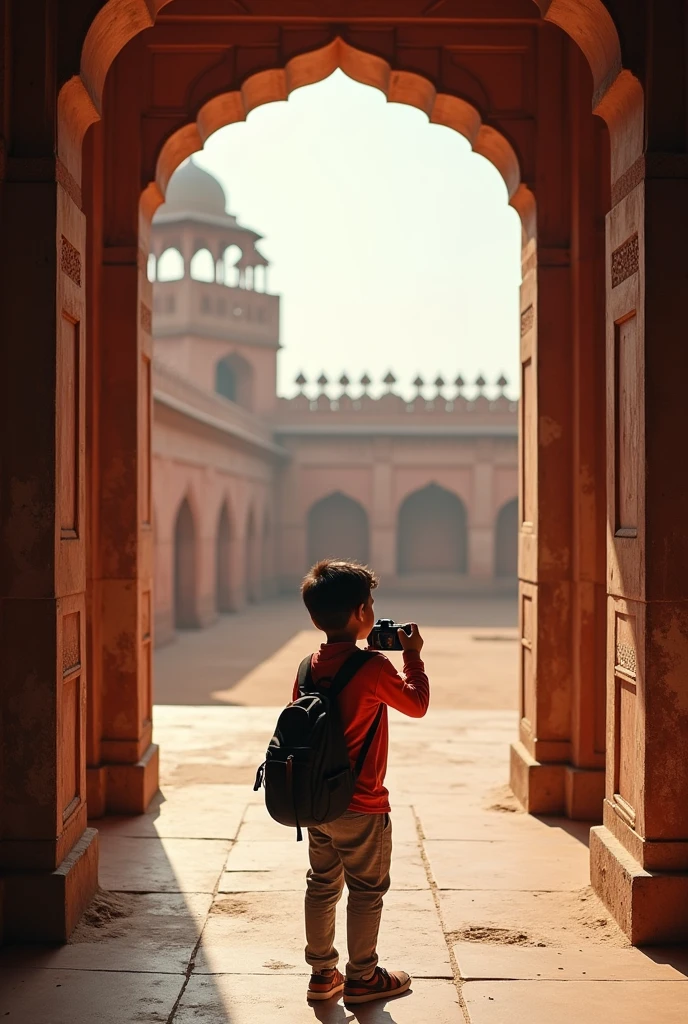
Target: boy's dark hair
333, 589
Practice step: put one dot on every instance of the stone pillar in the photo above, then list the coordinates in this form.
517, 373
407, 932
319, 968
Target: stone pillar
544, 747
47, 854
584, 777
556, 766
481, 523
383, 533
124, 777
639, 857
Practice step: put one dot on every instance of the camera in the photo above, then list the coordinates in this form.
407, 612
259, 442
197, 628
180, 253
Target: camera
383, 636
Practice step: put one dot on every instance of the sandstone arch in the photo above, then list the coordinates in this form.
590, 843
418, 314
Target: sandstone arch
223, 556
432, 535
185, 568
506, 540
337, 527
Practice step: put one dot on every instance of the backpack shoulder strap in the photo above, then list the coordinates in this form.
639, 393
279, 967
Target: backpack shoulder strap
349, 669
370, 736
304, 677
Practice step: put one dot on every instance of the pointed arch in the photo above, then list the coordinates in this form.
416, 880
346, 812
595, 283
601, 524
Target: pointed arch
223, 560
252, 542
337, 527
432, 532
506, 540
185, 568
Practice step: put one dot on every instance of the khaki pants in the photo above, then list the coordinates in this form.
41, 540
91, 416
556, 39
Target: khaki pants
356, 849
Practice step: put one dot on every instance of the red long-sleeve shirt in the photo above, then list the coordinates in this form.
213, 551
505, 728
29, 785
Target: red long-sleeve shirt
377, 682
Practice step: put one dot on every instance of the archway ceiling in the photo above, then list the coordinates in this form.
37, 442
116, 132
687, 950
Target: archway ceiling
470, 64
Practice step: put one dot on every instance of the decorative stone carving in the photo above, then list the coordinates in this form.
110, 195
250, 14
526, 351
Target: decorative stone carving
71, 644
70, 261
146, 318
625, 260
68, 183
529, 264
527, 320
625, 658
625, 184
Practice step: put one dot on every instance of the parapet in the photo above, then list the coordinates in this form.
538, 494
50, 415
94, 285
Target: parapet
446, 411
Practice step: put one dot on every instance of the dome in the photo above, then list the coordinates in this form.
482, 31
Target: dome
193, 190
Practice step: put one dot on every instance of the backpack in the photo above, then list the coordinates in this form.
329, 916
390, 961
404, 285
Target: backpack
308, 776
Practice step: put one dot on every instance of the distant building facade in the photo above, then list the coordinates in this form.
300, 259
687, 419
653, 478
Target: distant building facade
250, 488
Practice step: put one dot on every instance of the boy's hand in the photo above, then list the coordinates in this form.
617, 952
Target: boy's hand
413, 642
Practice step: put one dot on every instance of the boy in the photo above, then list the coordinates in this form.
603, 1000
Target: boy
357, 847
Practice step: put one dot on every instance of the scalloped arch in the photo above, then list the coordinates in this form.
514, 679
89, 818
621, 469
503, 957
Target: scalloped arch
587, 22
398, 86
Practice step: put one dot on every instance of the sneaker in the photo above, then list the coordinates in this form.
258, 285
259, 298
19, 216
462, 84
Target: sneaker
325, 985
383, 985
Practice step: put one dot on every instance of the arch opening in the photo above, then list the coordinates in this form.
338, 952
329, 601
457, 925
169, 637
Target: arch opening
252, 559
170, 265
506, 540
432, 533
234, 380
337, 527
185, 569
223, 554
202, 266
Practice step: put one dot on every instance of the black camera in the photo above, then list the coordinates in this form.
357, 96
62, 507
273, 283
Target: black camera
383, 636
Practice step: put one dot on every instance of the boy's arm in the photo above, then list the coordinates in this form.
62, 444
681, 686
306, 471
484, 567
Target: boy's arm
410, 692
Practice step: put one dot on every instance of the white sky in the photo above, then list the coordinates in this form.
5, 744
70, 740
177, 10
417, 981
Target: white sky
391, 243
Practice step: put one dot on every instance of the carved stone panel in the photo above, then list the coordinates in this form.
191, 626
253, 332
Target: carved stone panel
625, 725
68, 427
70, 715
529, 443
527, 659
626, 427
145, 449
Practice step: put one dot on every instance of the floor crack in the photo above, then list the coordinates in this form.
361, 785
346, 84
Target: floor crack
458, 981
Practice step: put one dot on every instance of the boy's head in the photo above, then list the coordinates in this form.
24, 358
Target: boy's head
338, 597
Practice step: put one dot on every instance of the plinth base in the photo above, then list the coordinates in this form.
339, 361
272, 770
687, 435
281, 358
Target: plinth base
649, 906
46, 907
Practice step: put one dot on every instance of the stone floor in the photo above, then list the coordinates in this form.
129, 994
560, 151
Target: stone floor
199, 919
249, 659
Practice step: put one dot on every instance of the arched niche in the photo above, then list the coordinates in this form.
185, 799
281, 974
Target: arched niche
223, 555
185, 569
234, 380
506, 540
252, 558
432, 533
170, 265
338, 528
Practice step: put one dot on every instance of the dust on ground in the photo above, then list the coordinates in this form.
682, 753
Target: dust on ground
106, 911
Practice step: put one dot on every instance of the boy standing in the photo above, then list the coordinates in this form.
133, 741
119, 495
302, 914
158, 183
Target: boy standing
357, 847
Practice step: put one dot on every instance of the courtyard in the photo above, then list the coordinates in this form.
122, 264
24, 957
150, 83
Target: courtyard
198, 916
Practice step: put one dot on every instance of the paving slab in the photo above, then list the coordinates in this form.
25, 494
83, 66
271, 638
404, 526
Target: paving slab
182, 812
29, 996
553, 864
249, 1000
258, 826
560, 919
161, 865
515, 962
576, 1002
263, 933
282, 866
154, 932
